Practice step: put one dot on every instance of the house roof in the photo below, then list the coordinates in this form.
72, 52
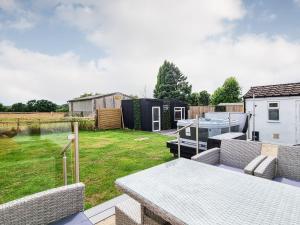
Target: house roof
277, 90
97, 96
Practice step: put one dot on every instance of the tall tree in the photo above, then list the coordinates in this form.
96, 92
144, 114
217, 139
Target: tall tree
19, 107
228, 93
31, 106
171, 83
204, 98
45, 106
201, 98
2, 108
194, 99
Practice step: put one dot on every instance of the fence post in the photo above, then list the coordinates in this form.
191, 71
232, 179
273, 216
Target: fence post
18, 125
76, 153
197, 134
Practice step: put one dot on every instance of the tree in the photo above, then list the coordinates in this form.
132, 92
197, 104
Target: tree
45, 106
228, 93
201, 98
19, 107
31, 106
171, 83
204, 98
194, 99
2, 108
62, 108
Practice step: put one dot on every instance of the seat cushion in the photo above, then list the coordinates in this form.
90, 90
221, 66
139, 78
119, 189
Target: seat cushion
287, 181
230, 168
76, 219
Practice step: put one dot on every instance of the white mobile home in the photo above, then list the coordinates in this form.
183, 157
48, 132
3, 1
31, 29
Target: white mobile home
277, 112
87, 106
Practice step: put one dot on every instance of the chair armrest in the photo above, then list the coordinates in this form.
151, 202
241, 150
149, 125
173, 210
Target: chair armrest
211, 156
249, 169
267, 169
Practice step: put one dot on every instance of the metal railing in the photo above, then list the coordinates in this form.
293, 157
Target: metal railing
177, 132
72, 139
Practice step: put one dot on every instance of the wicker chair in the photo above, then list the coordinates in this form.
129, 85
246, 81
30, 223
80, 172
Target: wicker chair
285, 168
236, 155
44, 207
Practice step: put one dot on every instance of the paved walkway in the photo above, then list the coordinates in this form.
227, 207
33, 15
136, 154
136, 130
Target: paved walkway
104, 214
168, 132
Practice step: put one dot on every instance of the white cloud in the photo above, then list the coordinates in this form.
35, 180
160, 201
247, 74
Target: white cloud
18, 17
137, 36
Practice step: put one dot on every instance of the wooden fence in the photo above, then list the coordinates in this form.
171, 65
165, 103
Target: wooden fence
200, 110
109, 118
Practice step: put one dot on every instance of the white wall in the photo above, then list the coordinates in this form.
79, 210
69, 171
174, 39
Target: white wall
286, 127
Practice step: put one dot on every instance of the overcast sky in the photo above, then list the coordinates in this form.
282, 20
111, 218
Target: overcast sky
59, 49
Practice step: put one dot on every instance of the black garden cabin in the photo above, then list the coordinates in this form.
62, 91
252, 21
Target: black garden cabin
153, 114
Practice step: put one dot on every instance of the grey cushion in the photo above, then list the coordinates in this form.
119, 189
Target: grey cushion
76, 219
238, 153
230, 168
287, 181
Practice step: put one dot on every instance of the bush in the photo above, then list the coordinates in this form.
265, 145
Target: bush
137, 114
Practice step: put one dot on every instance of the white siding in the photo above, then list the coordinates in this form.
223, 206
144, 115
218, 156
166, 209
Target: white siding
285, 127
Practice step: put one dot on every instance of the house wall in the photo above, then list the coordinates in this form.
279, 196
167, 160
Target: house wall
285, 127
89, 107
81, 107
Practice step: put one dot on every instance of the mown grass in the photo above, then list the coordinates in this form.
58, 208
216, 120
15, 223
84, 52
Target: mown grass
29, 164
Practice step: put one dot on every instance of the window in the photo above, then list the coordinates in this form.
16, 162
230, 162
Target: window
179, 113
273, 111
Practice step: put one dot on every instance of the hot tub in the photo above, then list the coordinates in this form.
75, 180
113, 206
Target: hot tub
207, 128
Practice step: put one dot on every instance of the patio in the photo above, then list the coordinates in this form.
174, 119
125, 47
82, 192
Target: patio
239, 183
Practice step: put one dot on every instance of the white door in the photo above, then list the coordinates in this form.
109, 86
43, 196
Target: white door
155, 118
297, 122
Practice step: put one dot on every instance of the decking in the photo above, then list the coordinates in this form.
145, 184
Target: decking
103, 214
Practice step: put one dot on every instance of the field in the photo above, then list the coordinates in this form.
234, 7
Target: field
29, 164
32, 116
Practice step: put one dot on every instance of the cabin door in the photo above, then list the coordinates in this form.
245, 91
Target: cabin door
155, 118
297, 122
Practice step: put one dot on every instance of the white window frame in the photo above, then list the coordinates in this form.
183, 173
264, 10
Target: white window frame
156, 121
278, 107
182, 112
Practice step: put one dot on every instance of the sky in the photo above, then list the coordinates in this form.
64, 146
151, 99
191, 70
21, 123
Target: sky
59, 49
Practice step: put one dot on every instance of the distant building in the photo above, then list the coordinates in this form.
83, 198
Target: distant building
87, 106
277, 112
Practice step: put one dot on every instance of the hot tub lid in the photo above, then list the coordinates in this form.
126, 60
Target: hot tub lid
208, 123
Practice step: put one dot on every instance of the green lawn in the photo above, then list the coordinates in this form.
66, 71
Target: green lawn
29, 164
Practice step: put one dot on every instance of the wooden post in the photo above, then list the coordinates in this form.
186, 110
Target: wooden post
18, 125
197, 134
122, 118
76, 153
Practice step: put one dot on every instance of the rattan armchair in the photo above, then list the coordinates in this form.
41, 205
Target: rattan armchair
237, 155
285, 168
44, 207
